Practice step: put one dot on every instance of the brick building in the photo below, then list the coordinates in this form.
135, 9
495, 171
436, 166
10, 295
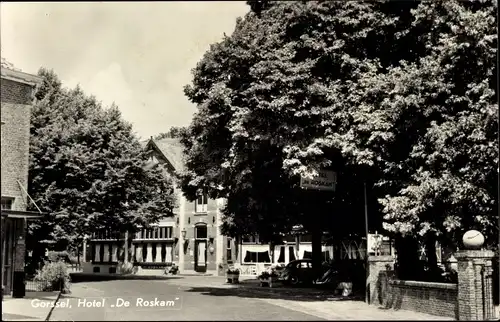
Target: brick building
191, 239
16, 102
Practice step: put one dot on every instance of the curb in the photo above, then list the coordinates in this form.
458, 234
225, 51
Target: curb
79, 278
53, 306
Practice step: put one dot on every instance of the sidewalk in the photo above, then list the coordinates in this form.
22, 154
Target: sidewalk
317, 302
352, 310
324, 304
35, 306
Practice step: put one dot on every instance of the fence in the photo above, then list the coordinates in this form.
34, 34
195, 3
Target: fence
472, 297
36, 285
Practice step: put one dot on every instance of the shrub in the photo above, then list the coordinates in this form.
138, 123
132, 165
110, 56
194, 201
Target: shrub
54, 256
54, 276
174, 269
234, 271
269, 272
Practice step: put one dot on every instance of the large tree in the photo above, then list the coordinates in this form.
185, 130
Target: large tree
258, 91
87, 169
398, 94
429, 123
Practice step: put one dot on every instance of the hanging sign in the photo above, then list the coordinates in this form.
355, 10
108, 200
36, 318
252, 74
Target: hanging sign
325, 180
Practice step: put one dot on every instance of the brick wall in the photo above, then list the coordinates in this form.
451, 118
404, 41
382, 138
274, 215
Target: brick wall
191, 218
15, 92
15, 114
432, 298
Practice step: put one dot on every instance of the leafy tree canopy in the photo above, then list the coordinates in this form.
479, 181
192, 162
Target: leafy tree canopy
87, 168
173, 132
401, 94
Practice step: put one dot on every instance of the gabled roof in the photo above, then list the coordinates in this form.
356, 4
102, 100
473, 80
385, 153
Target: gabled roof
171, 149
15, 74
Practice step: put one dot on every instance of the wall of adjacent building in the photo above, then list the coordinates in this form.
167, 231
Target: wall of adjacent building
15, 115
16, 100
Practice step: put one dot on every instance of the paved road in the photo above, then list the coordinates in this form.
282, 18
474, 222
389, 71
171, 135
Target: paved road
181, 301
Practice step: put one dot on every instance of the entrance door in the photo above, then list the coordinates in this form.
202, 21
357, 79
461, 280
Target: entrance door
201, 256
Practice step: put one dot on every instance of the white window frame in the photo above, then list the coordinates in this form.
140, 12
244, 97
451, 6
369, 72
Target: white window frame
203, 206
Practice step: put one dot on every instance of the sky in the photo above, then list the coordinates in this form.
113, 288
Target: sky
136, 54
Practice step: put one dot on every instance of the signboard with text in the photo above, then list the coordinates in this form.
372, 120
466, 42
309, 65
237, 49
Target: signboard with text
326, 180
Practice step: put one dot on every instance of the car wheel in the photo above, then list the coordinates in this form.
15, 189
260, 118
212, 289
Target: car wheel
294, 280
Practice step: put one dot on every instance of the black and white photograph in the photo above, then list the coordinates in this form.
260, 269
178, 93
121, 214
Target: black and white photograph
250, 160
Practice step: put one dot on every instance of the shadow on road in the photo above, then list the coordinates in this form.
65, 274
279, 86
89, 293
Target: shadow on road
270, 293
80, 277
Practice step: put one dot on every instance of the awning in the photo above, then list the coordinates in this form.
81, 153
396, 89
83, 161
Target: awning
21, 214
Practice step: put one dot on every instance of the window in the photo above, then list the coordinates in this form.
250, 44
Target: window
250, 239
165, 232
325, 255
155, 233
303, 265
7, 203
257, 257
200, 232
291, 253
281, 258
229, 253
201, 203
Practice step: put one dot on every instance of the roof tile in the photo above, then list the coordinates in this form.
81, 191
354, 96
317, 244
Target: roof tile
173, 150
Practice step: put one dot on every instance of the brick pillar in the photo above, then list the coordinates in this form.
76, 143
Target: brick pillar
376, 264
473, 293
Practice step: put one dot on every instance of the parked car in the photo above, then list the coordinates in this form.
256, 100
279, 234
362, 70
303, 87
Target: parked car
298, 271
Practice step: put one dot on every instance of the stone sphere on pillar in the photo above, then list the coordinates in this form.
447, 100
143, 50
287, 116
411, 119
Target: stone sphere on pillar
473, 239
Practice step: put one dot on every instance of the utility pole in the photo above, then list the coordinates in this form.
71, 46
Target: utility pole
367, 268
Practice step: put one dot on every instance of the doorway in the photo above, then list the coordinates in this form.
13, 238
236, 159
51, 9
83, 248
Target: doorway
200, 249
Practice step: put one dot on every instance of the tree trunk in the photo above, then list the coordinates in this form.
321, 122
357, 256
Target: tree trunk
125, 247
409, 267
430, 245
317, 234
271, 250
237, 249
